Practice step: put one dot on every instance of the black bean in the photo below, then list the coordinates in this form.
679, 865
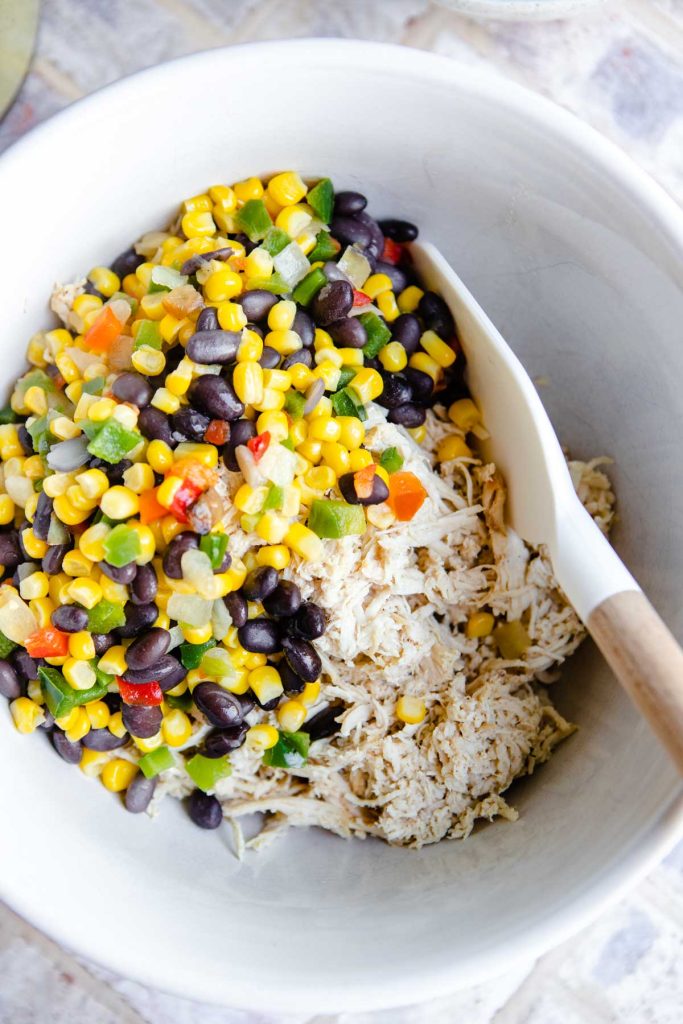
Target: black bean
348, 333
25, 666
225, 564
350, 231
48, 721
102, 642
155, 426
324, 724
10, 684
114, 471
41, 520
102, 739
240, 432
376, 247
309, 621
269, 359
247, 701
144, 587
207, 320
407, 329
422, 385
237, 608
119, 573
220, 707
333, 273
189, 424
398, 277
378, 494
268, 705
215, 397
138, 617
197, 261
217, 744
127, 263
260, 583
205, 810
332, 302
53, 558
399, 230
68, 751
302, 356
284, 601
303, 326
348, 203
167, 671
133, 388
70, 618
142, 722
291, 682
213, 346
257, 303
397, 391
172, 559
257, 330
25, 439
408, 415
260, 636
302, 658
10, 551
139, 794
436, 315
148, 648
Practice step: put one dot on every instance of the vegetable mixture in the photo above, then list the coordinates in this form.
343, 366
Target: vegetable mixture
211, 474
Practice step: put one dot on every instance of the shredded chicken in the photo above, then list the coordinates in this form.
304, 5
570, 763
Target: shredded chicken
397, 602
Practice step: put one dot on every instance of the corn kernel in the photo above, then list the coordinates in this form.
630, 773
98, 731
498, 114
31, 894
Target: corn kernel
352, 432
85, 592
410, 710
479, 624
425, 364
453, 447
248, 383
178, 382
93, 483
304, 542
321, 478
336, 456
119, 503
222, 284
386, 303
310, 694
291, 715
77, 564
64, 428
198, 224
393, 357
148, 361
116, 726
200, 202
113, 661
91, 541
111, 591
301, 376
81, 646
231, 316
367, 384
418, 434
197, 634
145, 745
79, 725
26, 714
139, 477
276, 555
324, 428
79, 674
272, 528
287, 188
101, 409
262, 737
409, 299
98, 714
166, 401
92, 762
35, 548
294, 219
311, 450
159, 455
34, 586
329, 373
176, 728
35, 400
359, 459
464, 414
281, 315
118, 774
275, 423
42, 608
376, 284
207, 454
440, 352
250, 188
258, 263
284, 342
271, 401
105, 280
223, 197
380, 516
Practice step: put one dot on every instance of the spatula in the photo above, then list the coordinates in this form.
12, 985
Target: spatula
544, 509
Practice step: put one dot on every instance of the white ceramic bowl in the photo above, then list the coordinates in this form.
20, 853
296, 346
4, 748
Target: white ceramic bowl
575, 254
520, 10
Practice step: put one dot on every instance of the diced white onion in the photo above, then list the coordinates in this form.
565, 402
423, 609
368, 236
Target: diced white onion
278, 464
176, 637
220, 620
197, 570
247, 463
17, 621
68, 455
354, 264
20, 489
189, 608
291, 264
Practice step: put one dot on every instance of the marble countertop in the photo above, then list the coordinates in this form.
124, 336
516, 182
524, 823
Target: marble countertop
619, 67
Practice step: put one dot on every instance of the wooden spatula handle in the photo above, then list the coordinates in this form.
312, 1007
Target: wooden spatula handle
647, 660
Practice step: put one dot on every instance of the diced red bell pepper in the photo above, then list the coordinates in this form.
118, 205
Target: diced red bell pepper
47, 642
258, 445
217, 432
183, 500
392, 251
140, 695
363, 480
103, 332
150, 509
406, 495
360, 298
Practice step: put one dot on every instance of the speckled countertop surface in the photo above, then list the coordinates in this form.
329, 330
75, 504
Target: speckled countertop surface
620, 67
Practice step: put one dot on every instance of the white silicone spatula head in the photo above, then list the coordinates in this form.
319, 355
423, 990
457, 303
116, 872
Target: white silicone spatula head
544, 509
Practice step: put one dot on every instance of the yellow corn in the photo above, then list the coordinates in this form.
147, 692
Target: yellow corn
145, 745
92, 762
93, 483
105, 280
275, 423
77, 564
291, 715
352, 432
262, 737
101, 409
386, 303
304, 542
42, 608
116, 726
166, 401
278, 380
197, 634
272, 527
367, 384
79, 725
59, 588
464, 414
119, 503
393, 357
31, 507
380, 516
479, 624
91, 541
26, 714
176, 728
198, 224
321, 478
336, 456
35, 400
453, 447
250, 188
34, 586
65, 511
139, 477
351, 356
118, 774
284, 342
409, 299
423, 362
310, 694
440, 352
251, 347
64, 428
250, 499
85, 592
301, 376
224, 197
81, 646
271, 401
281, 315
231, 316
410, 710
311, 450
324, 428
204, 453
276, 555
248, 383
287, 188
7, 510
359, 459
35, 548
79, 674
113, 661
148, 361
222, 285
329, 373
418, 434
159, 456
294, 219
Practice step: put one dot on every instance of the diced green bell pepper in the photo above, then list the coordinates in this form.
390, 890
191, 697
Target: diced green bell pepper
62, 698
113, 441
391, 460
8, 415
309, 286
35, 379
40, 435
274, 499
378, 334
6, 645
165, 278
275, 284
105, 616
94, 386
254, 220
183, 702
325, 248
156, 761
321, 200
294, 404
121, 546
192, 654
288, 444
290, 751
275, 241
148, 333
214, 545
205, 772
346, 403
334, 519
346, 376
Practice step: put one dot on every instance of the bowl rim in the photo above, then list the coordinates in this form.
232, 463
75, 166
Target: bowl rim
657, 839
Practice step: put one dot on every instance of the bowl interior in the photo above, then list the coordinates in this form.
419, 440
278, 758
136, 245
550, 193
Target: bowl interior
578, 272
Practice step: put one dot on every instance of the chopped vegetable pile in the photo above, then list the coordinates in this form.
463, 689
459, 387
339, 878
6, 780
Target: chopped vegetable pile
194, 489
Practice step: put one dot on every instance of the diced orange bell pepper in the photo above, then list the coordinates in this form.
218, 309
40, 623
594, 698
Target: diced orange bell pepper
150, 509
217, 432
47, 642
103, 332
191, 471
363, 480
406, 495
